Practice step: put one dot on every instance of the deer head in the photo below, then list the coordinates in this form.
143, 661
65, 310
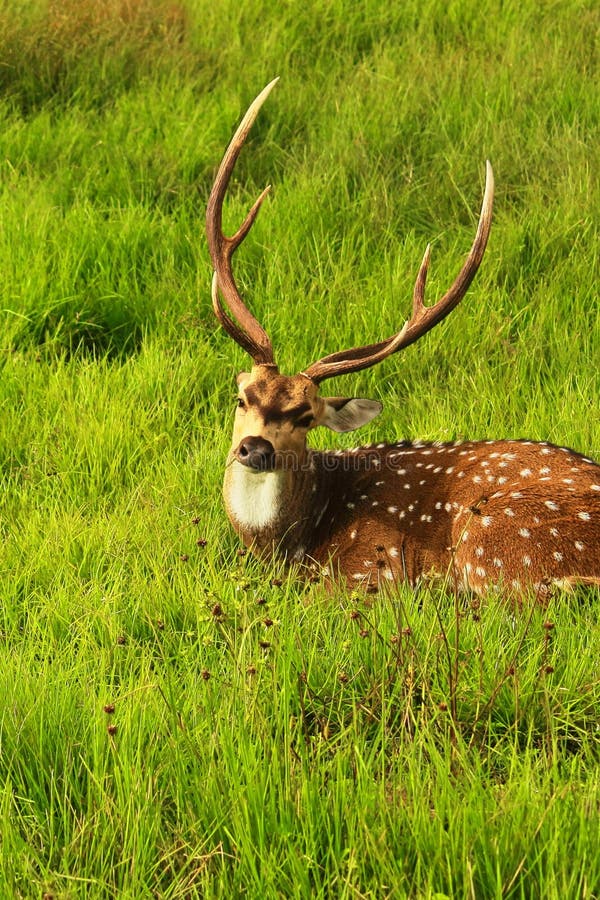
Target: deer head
275, 411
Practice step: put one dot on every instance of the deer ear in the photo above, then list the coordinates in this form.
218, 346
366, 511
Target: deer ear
348, 413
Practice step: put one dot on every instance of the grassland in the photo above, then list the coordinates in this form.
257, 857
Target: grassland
176, 720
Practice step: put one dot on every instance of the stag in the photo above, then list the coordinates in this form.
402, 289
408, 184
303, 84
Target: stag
510, 514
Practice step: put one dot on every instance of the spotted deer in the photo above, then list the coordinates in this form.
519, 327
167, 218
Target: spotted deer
509, 514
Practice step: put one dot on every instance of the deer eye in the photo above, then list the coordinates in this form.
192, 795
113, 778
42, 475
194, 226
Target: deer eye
241, 403
305, 421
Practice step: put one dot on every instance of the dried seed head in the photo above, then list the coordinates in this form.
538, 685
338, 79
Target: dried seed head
109, 709
112, 729
217, 610
201, 542
205, 674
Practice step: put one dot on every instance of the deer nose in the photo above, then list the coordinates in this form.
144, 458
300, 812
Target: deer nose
256, 453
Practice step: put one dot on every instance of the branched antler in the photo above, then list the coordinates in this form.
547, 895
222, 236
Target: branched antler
423, 317
249, 333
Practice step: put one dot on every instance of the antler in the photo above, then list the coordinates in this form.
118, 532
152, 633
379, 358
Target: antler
251, 335
423, 317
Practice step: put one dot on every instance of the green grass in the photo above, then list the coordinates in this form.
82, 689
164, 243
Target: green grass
269, 740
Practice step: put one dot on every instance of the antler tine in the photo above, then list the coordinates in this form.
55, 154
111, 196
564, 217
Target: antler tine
251, 335
423, 317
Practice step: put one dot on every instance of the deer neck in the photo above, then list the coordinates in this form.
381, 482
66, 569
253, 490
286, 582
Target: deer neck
275, 510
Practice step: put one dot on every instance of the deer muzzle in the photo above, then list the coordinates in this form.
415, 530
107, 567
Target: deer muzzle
256, 453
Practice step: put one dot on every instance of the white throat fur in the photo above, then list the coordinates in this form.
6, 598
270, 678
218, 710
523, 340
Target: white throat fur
254, 498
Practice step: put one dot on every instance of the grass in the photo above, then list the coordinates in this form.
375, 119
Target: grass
179, 720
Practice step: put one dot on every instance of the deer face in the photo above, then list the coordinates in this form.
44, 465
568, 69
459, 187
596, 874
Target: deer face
275, 413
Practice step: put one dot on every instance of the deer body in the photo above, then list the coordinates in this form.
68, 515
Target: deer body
481, 514
478, 513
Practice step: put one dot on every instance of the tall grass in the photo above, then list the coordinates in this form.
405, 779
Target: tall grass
179, 720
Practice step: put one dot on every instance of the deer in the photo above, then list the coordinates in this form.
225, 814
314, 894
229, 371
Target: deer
509, 515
